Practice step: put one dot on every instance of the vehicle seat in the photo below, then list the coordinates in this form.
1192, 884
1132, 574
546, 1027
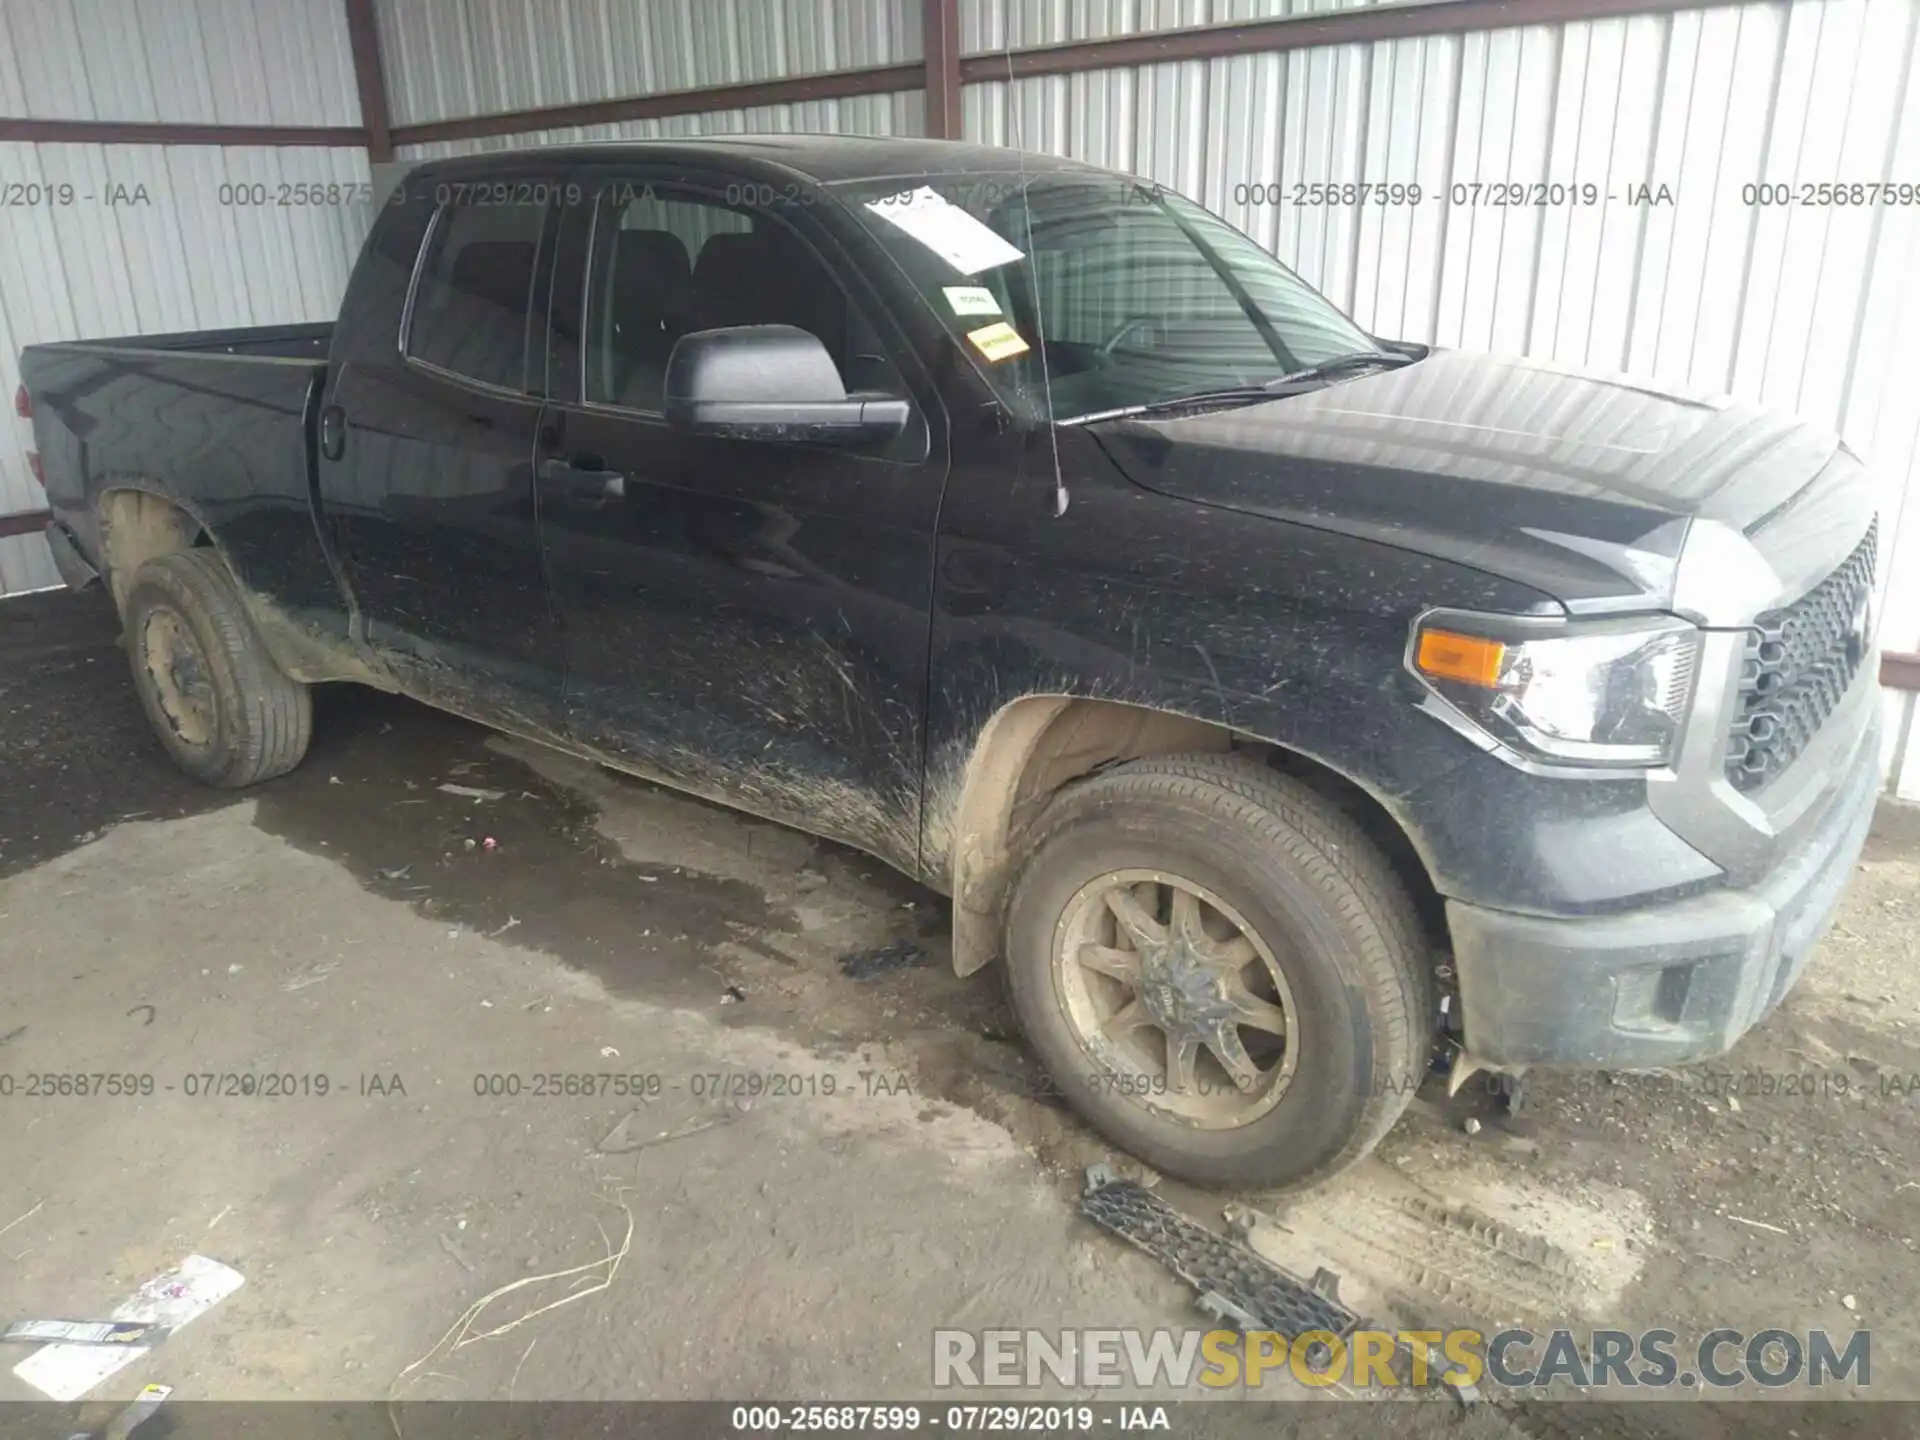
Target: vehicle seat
649, 301
767, 278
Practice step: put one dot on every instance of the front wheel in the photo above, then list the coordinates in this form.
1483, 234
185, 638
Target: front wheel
213, 694
1219, 970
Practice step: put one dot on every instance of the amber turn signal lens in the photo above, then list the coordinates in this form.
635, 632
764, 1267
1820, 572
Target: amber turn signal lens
1470, 659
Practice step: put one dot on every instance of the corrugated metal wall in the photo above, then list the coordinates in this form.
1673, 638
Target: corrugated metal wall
456, 58
219, 62
899, 114
995, 24
474, 57
124, 239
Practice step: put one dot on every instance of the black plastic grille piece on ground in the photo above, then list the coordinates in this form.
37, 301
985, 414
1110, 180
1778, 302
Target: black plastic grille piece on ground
1270, 1297
1800, 660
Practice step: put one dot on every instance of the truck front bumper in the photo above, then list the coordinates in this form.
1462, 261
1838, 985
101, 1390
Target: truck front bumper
1665, 984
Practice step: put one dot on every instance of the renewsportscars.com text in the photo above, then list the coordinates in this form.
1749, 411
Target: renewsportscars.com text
1721, 1359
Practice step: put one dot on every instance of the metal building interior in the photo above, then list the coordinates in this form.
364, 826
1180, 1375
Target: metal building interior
177, 165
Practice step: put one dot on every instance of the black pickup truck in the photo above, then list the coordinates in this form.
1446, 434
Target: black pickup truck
1287, 706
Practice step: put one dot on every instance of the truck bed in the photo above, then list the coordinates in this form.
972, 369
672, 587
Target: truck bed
278, 342
219, 422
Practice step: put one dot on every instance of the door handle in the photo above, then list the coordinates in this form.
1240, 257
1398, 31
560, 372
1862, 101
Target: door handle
585, 475
333, 432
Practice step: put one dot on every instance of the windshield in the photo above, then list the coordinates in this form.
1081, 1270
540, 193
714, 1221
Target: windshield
1141, 295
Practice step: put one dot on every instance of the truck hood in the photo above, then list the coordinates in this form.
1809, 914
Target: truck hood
1582, 486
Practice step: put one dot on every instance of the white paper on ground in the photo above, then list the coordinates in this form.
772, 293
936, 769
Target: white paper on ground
66, 1372
964, 242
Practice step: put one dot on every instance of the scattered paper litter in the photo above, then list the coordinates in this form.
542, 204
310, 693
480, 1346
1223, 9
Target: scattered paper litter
66, 1372
474, 792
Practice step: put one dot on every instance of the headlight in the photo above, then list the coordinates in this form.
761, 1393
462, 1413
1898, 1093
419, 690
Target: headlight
1604, 693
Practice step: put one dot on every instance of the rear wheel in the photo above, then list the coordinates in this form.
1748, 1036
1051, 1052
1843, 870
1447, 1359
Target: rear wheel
1220, 970
213, 694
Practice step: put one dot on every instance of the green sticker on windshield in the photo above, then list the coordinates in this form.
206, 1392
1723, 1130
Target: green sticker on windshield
971, 299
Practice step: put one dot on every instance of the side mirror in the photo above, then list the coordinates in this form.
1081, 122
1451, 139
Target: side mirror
770, 382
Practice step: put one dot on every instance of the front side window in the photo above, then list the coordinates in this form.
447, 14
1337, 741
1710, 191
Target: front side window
1139, 295
669, 261
475, 290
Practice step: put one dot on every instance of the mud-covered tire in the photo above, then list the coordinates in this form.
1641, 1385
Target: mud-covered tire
1313, 888
215, 697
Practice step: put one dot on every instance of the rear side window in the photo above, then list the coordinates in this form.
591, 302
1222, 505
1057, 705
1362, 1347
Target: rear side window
475, 291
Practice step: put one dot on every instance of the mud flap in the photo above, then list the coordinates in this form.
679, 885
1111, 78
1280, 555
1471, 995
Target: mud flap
1234, 1284
68, 560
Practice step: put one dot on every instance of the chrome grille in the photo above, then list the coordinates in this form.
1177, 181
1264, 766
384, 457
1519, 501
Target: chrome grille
1800, 660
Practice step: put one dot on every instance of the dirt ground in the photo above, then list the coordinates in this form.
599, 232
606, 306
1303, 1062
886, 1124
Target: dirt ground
413, 948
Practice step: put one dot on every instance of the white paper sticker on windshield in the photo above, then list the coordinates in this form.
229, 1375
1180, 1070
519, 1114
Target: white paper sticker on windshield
971, 299
962, 241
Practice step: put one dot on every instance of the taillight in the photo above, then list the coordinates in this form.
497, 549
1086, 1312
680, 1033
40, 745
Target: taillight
23, 403
33, 464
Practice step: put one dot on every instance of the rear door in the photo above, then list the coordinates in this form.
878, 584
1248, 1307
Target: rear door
432, 497
744, 619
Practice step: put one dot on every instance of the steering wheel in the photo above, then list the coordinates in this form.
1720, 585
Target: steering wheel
1126, 328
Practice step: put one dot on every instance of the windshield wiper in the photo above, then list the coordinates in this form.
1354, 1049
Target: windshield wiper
1277, 388
1340, 364
1229, 395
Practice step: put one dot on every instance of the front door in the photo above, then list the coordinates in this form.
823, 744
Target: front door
745, 620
